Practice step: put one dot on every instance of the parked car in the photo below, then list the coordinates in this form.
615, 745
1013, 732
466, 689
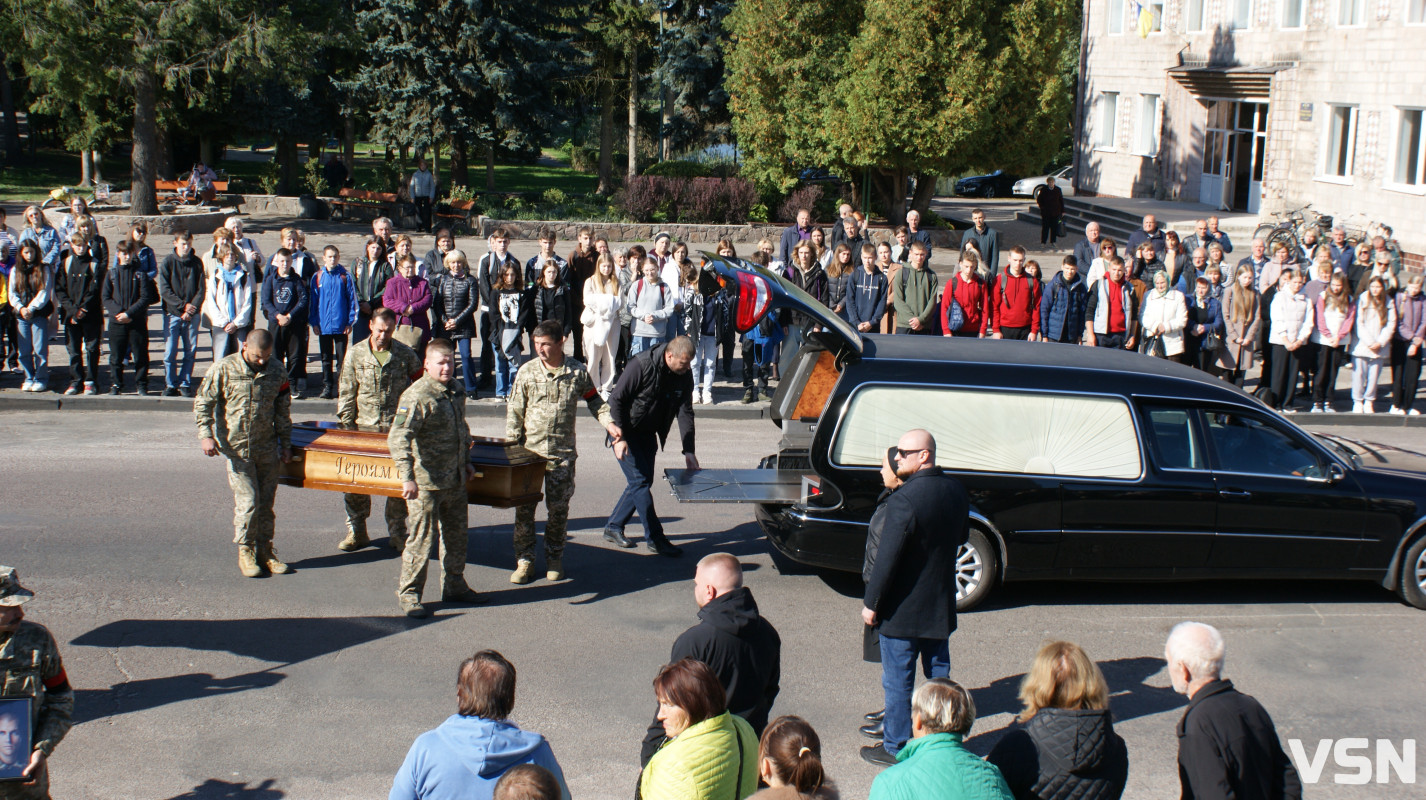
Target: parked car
996, 184
1030, 187
1080, 462
818, 175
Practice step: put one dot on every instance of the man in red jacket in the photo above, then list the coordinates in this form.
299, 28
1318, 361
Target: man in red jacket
1015, 304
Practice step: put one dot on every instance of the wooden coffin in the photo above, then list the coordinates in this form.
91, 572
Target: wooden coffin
337, 458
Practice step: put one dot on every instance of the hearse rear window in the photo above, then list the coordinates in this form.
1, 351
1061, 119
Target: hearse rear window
985, 431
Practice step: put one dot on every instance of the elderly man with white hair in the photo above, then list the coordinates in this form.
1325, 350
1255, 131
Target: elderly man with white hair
1227, 744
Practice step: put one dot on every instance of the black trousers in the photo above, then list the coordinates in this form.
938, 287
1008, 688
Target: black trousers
129, 339
1284, 375
487, 354
621, 356
729, 340
1405, 373
578, 332
1018, 334
82, 339
9, 337
1049, 230
289, 346
1329, 361
423, 212
333, 347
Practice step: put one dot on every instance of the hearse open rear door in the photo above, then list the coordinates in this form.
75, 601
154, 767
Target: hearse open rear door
828, 342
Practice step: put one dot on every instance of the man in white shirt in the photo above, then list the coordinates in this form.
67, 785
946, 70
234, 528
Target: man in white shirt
423, 193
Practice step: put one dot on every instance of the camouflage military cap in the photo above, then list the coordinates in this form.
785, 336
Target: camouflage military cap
11, 592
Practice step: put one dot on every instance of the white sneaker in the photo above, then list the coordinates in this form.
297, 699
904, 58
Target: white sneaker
697, 399
25, 387
1316, 408
1396, 411
1413, 413
1357, 409
1328, 409
1367, 408
708, 398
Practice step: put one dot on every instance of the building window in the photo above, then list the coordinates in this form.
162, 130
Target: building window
1146, 141
1410, 143
1294, 13
1156, 15
1116, 16
1193, 16
1242, 15
1108, 121
1416, 12
1351, 13
1339, 145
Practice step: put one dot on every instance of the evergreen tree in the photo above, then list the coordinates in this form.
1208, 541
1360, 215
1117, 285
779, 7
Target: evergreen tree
692, 68
475, 73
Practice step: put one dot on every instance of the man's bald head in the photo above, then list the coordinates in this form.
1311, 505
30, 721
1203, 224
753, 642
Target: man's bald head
717, 574
916, 450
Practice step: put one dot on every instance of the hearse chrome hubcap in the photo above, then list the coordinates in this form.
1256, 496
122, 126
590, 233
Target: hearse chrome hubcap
970, 570
1421, 571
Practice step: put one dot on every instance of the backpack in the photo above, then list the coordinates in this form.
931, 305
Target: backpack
639, 287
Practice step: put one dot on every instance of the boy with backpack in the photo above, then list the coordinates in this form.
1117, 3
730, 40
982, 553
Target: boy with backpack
1063, 305
1015, 302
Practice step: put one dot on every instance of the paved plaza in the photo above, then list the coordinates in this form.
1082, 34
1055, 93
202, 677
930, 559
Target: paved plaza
195, 682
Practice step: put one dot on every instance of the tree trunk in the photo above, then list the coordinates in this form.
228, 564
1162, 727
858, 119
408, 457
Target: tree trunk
460, 165
606, 142
163, 147
890, 187
349, 144
490, 168
85, 175
97, 158
405, 156
286, 155
143, 199
205, 149
11, 131
633, 110
925, 190
436, 167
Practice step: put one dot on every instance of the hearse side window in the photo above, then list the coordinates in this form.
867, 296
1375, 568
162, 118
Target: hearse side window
985, 431
1248, 444
1175, 441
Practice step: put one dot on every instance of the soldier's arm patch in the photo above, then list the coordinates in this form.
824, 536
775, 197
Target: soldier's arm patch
589, 393
56, 681
401, 414
285, 387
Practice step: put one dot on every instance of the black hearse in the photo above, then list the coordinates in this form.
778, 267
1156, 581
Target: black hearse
1080, 462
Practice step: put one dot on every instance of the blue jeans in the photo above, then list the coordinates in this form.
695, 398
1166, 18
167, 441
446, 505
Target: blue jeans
34, 348
505, 369
467, 367
638, 467
178, 333
898, 678
642, 343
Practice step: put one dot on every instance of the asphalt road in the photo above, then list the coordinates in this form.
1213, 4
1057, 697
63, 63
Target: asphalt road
195, 682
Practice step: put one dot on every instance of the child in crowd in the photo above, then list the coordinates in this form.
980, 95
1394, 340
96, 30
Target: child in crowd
333, 312
139, 234
512, 307
229, 303
1063, 303
284, 303
78, 286
183, 289
128, 293
650, 303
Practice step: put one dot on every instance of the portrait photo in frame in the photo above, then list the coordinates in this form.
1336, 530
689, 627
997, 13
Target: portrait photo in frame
15, 736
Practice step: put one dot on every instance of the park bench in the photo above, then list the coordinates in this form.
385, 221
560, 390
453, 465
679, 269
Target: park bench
348, 199
459, 213
168, 190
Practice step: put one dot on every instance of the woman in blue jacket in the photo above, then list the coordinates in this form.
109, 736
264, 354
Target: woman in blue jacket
1205, 319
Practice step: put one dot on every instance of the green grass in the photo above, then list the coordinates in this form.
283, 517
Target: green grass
31, 180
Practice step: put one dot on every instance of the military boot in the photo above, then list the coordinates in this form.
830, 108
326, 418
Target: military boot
554, 568
523, 572
267, 554
247, 562
356, 538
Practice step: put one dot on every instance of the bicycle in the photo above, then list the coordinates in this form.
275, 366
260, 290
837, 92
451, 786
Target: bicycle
60, 198
1292, 226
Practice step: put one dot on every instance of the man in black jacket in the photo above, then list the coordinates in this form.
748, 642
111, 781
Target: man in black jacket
1227, 744
180, 284
655, 387
911, 594
128, 293
733, 639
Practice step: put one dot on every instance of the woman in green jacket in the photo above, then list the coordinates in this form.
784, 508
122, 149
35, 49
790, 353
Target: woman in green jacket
711, 754
935, 763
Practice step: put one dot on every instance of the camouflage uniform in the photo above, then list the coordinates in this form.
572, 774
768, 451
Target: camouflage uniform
430, 444
367, 397
30, 666
541, 415
249, 412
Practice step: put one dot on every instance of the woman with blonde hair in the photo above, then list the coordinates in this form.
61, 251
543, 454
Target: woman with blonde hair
1065, 745
790, 762
600, 319
1376, 324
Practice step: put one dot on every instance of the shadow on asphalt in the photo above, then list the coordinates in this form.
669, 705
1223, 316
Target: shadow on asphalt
1129, 697
283, 642
214, 789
